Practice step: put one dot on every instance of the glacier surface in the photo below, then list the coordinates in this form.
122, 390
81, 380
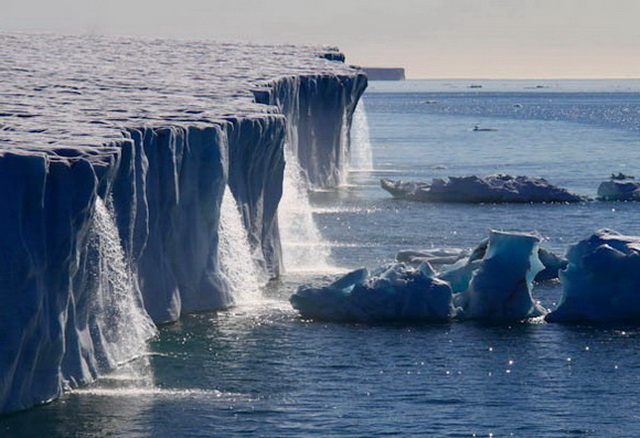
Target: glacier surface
147, 136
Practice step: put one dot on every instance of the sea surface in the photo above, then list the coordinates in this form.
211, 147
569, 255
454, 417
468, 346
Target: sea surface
260, 370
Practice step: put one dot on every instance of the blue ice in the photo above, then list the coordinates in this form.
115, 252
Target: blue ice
395, 292
602, 281
498, 288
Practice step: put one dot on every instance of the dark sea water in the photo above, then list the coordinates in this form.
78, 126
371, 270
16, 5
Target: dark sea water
259, 370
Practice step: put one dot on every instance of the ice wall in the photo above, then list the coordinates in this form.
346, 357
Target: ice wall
63, 280
256, 173
169, 220
319, 112
115, 155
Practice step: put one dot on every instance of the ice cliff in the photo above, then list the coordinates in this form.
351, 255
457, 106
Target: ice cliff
115, 155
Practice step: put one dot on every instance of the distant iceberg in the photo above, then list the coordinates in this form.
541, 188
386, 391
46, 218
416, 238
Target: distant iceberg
619, 190
497, 188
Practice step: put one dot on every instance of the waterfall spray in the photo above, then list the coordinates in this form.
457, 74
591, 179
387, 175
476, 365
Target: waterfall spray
236, 262
361, 156
303, 246
120, 327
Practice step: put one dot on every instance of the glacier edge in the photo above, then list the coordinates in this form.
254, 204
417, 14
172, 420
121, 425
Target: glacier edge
160, 179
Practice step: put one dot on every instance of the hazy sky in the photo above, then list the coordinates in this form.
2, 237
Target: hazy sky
430, 38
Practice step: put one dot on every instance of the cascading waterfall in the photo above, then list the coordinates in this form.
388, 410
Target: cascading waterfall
236, 261
361, 156
303, 247
118, 321
345, 157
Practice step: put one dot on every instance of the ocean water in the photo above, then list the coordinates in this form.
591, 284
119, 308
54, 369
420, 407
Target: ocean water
259, 370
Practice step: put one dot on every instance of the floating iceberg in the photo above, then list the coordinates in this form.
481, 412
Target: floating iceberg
437, 256
391, 294
500, 288
497, 288
497, 188
602, 281
619, 190
456, 265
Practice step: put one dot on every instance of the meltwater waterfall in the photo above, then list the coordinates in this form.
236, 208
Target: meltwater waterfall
117, 320
303, 248
111, 326
234, 253
361, 156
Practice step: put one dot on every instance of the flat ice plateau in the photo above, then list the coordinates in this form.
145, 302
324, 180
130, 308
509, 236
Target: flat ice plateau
65, 92
115, 157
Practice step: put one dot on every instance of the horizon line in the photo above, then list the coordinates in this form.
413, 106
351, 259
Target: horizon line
557, 78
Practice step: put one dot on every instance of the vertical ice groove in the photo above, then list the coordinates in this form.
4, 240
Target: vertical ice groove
315, 153
318, 111
236, 261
